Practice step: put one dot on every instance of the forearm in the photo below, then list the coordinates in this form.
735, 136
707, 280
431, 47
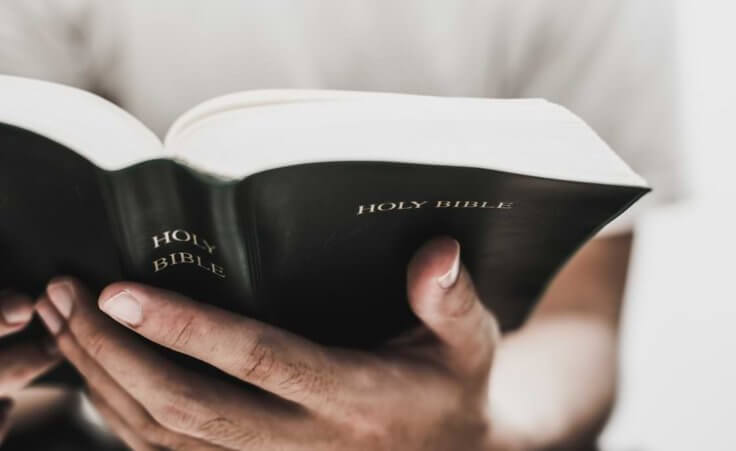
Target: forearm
553, 383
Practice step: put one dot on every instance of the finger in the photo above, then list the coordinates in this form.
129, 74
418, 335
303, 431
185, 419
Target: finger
21, 363
132, 437
16, 311
274, 360
184, 402
94, 375
118, 426
6, 405
442, 295
104, 386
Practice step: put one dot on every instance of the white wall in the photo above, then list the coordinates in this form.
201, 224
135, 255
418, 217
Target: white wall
678, 389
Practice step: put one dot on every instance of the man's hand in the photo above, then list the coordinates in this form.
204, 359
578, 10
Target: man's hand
425, 391
20, 363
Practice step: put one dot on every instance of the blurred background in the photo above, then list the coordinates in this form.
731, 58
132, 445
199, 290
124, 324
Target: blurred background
678, 364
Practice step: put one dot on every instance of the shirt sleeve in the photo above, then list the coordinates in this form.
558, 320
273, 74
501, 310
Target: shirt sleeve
612, 62
54, 40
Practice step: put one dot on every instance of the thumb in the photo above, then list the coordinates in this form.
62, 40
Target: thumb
5, 405
443, 296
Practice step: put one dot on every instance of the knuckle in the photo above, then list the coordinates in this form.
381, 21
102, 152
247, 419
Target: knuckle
223, 430
371, 430
180, 412
96, 343
150, 431
464, 302
365, 381
296, 378
181, 330
187, 414
302, 382
260, 362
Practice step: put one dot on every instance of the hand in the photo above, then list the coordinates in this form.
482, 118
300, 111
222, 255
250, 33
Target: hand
22, 362
425, 391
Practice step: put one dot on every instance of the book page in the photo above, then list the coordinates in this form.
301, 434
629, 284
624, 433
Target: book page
91, 126
523, 136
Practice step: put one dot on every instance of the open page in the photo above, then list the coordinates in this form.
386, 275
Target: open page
97, 129
245, 133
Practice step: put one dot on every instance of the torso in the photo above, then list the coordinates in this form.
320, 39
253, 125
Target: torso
173, 58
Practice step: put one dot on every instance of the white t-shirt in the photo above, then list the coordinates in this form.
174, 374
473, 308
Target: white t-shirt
609, 61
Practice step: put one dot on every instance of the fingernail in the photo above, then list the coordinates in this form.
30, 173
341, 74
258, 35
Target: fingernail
50, 317
124, 307
448, 279
16, 310
61, 296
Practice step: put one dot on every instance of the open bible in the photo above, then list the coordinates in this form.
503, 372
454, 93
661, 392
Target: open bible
301, 208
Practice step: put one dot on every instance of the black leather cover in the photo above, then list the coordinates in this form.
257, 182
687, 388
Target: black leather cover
290, 242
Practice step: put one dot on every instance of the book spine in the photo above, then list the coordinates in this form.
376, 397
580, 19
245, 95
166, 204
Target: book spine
180, 230
245, 212
231, 224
